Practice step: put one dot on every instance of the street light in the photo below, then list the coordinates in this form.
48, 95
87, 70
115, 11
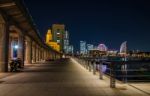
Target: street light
16, 46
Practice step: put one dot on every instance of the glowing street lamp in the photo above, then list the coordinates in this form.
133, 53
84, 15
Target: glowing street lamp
16, 46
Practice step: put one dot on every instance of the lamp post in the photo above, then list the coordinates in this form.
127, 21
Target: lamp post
16, 47
15, 51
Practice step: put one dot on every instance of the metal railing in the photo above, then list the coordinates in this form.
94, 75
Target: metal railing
125, 71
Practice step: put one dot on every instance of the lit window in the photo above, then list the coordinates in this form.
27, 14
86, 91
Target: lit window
58, 41
58, 33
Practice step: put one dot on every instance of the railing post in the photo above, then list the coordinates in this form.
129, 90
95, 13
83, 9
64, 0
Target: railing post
100, 70
112, 76
84, 63
124, 72
87, 63
94, 68
90, 66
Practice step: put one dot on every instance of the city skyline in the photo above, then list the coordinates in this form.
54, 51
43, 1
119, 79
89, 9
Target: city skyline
97, 22
39, 57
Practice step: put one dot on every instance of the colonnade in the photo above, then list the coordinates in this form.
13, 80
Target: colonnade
14, 43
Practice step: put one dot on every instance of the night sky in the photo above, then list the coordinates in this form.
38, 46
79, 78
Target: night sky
96, 21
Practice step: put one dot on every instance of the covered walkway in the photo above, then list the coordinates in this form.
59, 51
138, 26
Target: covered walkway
19, 36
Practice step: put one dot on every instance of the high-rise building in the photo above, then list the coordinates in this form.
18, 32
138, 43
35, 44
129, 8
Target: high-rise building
70, 49
50, 42
66, 42
83, 49
58, 31
58, 36
48, 36
90, 47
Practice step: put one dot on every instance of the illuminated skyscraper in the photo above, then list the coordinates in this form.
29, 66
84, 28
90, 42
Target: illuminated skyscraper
60, 36
70, 49
83, 49
48, 36
90, 47
50, 42
123, 47
58, 31
66, 42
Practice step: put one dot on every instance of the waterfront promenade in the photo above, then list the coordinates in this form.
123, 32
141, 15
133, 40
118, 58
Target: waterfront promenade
61, 78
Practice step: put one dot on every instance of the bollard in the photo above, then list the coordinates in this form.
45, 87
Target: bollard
94, 68
112, 76
87, 64
100, 71
90, 65
84, 63
124, 72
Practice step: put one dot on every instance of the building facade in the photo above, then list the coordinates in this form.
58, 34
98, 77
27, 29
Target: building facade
83, 49
66, 42
58, 31
58, 38
90, 47
50, 42
70, 49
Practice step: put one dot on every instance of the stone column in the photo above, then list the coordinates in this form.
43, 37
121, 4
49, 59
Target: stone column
29, 51
39, 57
48, 54
41, 53
45, 54
4, 45
55, 56
33, 52
37, 53
51, 55
10, 48
21, 48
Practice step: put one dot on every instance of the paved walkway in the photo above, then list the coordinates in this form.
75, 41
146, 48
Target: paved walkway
145, 87
61, 78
